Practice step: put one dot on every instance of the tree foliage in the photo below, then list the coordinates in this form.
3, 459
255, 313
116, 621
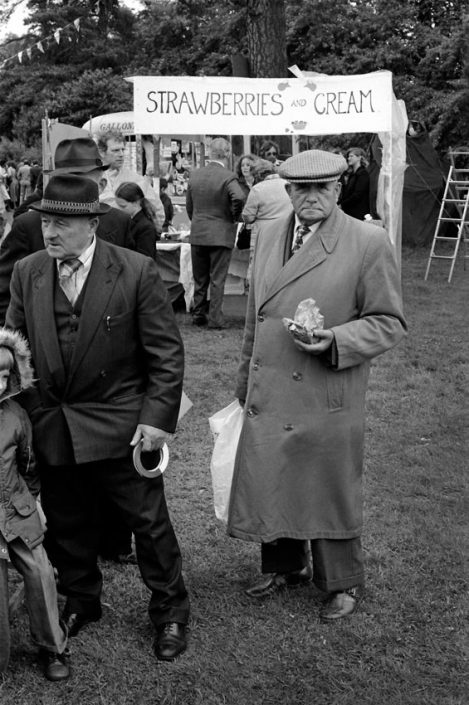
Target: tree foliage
423, 43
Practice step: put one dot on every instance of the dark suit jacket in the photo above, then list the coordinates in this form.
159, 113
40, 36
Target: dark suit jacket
25, 237
355, 196
214, 201
144, 235
127, 366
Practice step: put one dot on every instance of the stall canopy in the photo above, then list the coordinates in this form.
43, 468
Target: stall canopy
308, 104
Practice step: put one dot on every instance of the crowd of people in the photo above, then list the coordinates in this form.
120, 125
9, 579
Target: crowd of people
83, 305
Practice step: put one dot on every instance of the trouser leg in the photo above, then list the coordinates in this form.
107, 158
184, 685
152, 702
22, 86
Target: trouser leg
284, 556
70, 498
337, 563
4, 617
142, 502
115, 537
219, 263
201, 274
40, 595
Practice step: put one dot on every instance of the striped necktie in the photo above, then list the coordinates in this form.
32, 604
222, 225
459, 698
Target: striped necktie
301, 232
67, 281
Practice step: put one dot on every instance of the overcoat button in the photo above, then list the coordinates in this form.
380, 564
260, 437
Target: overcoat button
251, 412
288, 427
297, 376
103, 373
255, 366
260, 317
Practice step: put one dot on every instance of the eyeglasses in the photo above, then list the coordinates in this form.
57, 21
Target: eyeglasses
271, 154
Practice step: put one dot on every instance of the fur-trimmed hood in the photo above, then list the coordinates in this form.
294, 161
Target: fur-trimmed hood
21, 376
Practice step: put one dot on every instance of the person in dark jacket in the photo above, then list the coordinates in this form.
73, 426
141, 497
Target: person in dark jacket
355, 196
167, 205
214, 201
131, 199
76, 156
21, 526
72, 156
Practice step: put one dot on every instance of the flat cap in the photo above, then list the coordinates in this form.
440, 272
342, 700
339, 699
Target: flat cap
314, 166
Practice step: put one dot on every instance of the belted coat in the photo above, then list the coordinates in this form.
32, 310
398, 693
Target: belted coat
298, 470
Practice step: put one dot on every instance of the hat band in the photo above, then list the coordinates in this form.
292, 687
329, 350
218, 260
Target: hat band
70, 207
76, 162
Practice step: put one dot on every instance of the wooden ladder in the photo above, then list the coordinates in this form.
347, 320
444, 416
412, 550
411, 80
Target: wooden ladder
454, 209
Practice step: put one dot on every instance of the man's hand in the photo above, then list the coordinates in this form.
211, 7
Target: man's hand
153, 438
323, 341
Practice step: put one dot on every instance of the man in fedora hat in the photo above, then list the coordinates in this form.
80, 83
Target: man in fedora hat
96, 399
72, 156
297, 483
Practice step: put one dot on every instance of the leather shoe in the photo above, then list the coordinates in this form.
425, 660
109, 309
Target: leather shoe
170, 641
55, 666
277, 582
340, 604
75, 622
199, 321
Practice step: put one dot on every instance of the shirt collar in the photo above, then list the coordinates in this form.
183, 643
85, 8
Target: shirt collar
86, 256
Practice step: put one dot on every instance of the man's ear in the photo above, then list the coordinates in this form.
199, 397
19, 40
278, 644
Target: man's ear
338, 189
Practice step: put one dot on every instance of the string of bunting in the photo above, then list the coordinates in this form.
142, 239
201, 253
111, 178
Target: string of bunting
43, 44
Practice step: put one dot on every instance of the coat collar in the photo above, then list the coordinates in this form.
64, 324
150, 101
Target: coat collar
99, 287
285, 269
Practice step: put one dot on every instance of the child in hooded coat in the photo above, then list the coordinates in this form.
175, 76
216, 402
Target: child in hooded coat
21, 527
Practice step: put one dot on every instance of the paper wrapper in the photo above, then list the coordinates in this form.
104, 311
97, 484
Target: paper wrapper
307, 319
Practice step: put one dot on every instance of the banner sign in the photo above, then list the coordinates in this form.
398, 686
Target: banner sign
316, 105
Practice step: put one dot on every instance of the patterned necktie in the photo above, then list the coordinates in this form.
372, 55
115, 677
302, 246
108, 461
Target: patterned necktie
67, 282
301, 232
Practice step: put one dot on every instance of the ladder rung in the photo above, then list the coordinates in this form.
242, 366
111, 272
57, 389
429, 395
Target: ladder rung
453, 220
443, 256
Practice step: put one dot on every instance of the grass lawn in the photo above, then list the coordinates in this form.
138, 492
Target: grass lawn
404, 645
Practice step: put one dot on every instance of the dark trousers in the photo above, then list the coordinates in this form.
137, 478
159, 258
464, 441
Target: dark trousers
71, 497
337, 563
209, 268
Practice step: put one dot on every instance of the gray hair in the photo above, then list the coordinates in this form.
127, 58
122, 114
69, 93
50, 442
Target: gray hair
219, 148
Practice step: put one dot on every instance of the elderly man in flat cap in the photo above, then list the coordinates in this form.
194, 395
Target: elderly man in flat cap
77, 301
297, 486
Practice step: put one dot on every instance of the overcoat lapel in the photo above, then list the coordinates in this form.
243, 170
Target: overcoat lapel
99, 287
43, 307
312, 253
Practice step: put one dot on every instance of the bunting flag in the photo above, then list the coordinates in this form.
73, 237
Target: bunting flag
45, 43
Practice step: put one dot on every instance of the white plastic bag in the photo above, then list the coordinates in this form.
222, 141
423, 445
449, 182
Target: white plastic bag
226, 428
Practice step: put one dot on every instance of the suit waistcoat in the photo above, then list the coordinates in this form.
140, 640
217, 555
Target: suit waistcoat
67, 319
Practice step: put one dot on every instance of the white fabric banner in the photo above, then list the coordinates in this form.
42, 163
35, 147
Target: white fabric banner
316, 105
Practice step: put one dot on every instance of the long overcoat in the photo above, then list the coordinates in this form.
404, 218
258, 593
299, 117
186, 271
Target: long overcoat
299, 462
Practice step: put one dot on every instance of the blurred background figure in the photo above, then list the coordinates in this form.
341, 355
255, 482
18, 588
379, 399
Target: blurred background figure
24, 178
167, 205
266, 201
13, 184
112, 147
243, 171
131, 200
355, 196
269, 150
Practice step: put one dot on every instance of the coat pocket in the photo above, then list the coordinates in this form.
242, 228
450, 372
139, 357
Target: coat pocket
25, 506
335, 385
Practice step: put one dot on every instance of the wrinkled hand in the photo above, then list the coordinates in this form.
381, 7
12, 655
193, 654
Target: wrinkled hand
153, 438
323, 341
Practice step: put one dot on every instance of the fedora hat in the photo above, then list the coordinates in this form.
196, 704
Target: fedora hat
68, 194
79, 155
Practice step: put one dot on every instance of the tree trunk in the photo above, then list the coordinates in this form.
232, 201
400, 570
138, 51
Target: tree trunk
266, 38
